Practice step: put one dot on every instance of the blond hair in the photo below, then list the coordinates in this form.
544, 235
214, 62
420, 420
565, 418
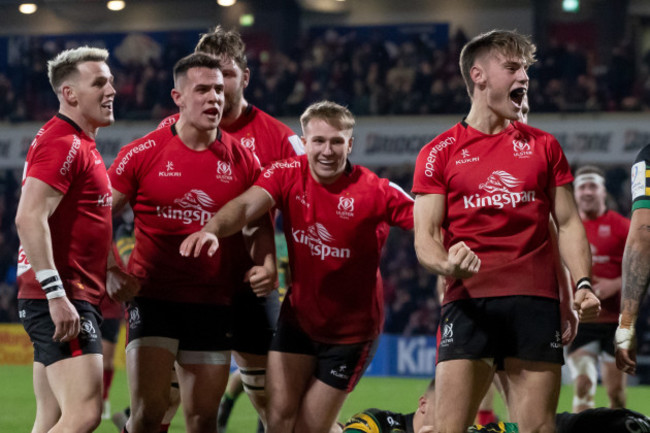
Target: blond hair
331, 112
66, 63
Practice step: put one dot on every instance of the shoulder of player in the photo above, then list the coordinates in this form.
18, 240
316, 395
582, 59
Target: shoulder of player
153, 140
643, 155
62, 137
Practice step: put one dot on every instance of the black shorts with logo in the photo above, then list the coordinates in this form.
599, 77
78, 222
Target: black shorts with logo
110, 329
35, 317
522, 327
602, 333
197, 327
254, 320
338, 365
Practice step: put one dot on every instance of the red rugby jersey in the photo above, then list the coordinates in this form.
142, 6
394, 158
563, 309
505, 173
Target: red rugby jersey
607, 235
334, 242
497, 190
174, 191
66, 159
268, 138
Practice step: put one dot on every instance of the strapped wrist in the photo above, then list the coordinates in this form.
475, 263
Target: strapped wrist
584, 283
51, 284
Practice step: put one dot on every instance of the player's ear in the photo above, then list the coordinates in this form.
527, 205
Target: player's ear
246, 77
68, 94
422, 404
477, 74
177, 97
351, 143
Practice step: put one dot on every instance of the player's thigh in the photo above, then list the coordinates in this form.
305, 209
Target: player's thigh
534, 390
77, 382
202, 386
321, 399
460, 386
288, 376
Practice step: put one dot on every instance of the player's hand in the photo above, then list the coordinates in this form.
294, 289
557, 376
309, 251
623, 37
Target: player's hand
261, 279
65, 318
120, 285
569, 318
462, 261
195, 242
586, 304
625, 341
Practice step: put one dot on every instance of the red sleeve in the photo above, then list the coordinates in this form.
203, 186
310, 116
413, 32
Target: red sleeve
123, 170
399, 206
56, 161
559, 165
272, 180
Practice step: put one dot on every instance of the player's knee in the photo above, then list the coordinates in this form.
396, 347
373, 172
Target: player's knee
201, 422
585, 374
254, 381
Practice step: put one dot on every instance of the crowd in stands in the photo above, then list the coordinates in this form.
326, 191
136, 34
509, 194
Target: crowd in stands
372, 76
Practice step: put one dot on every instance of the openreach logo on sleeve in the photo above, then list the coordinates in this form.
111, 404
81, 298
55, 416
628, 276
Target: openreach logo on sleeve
433, 154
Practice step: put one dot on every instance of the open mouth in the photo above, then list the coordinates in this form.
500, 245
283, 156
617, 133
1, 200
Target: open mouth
108, 105
212, 112
517, 96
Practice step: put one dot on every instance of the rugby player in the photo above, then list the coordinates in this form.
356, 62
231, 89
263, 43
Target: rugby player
606, 232
491, 183
176, 178
64, 224
335, 219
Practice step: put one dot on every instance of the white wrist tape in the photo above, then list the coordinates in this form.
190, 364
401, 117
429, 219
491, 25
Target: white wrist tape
50, 283
624, 338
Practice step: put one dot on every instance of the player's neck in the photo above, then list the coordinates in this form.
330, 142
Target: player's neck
485, 120
80, 121
194, 138
233, 115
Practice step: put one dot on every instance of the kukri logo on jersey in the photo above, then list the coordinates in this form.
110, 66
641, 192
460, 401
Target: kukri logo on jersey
498, 187
192, 207
316, 237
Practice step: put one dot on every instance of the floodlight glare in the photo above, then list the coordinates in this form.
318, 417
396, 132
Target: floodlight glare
27, 8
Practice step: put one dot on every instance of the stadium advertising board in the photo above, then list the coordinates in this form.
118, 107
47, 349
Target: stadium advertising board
404, 357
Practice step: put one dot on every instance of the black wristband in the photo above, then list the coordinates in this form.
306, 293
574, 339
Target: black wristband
584, 283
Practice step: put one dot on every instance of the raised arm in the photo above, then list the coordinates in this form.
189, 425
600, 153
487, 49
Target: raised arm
460, 261
636, 276
230, 219
37, 203
575, 252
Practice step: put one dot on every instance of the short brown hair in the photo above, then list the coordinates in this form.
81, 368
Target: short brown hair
220, 42
507, 42
66, 63
331, 112
194, 60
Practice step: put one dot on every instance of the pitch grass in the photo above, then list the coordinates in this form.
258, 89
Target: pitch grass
397, 394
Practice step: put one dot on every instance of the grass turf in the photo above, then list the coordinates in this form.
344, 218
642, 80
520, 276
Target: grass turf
396, 394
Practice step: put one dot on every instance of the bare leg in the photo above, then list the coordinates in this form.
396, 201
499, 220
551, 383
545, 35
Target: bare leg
77, 384
533, 411
202, 386
460, 385
149, 371
324, 400
47, 408
615, 382
289, 376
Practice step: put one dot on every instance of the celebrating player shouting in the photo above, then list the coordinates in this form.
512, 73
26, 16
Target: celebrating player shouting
491, 182
335, 217
176, 178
